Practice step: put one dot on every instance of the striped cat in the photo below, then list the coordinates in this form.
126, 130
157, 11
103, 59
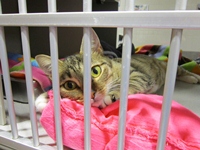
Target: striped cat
147, 75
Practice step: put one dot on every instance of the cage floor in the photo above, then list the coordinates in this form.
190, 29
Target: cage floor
25, 134
188, 95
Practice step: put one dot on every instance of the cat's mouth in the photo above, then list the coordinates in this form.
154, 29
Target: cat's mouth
97, 103
100, 100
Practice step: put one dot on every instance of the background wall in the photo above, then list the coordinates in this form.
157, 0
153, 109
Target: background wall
190, 39
69, 38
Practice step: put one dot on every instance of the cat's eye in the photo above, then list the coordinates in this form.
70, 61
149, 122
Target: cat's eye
70, 85
95, 71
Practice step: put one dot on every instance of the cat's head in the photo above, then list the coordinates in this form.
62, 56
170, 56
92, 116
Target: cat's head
71, 75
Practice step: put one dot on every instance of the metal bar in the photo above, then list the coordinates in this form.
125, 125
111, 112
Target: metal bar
181, 5
87, 7
142, 19
87, 88
52, 7
129, 5
126, 59
28, 71
169, 87
56, 85
2, 107
55, 76
6, 79
170, 76
7, 85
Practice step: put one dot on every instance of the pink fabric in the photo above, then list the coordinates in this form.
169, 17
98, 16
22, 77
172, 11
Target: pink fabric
38, 75
16, 68
142, 125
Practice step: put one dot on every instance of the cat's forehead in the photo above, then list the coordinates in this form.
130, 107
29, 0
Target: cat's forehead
72, 69
74, 60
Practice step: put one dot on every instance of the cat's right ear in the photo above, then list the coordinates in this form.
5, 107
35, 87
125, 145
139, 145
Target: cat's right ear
44, 62
95, 44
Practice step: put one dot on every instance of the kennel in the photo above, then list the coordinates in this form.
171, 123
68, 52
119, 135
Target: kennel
37, 21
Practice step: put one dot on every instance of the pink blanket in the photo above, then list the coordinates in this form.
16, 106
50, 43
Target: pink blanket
142, 125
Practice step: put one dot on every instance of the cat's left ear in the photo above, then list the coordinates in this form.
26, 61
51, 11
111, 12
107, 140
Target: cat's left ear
95, 44
44, 62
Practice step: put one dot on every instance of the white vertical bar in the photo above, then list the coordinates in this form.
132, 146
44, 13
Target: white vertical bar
169, 87
87, 7
28, 71
87, 88
181, 5
130, 5
2, 107
126, 58
170, 76
55, 76
7, 85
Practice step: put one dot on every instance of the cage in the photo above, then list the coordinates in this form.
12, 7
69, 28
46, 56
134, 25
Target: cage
55, 27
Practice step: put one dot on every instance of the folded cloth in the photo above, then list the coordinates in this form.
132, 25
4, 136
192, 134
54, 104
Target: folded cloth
142, 124
16, 66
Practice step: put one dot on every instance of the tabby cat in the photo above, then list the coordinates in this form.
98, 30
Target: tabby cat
147, 75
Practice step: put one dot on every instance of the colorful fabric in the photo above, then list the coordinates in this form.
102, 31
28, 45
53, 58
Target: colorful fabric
16, 65
142, 124
161, 52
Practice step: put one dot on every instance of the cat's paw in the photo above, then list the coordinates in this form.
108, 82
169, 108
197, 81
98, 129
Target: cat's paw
41, 101
198, 77
189, 79
109, 99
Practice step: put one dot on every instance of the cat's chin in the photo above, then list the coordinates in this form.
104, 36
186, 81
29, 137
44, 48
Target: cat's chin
98, 103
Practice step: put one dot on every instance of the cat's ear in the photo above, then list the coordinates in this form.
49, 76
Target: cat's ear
95, 44
44, 61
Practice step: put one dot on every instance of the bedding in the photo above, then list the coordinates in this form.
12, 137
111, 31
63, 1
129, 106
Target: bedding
16, 67
142, 123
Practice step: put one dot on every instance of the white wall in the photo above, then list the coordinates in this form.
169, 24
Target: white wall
190, 39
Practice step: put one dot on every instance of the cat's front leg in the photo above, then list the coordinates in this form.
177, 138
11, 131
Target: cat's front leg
41, 101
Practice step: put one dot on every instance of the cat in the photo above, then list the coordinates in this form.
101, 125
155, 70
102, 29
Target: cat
147, 75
